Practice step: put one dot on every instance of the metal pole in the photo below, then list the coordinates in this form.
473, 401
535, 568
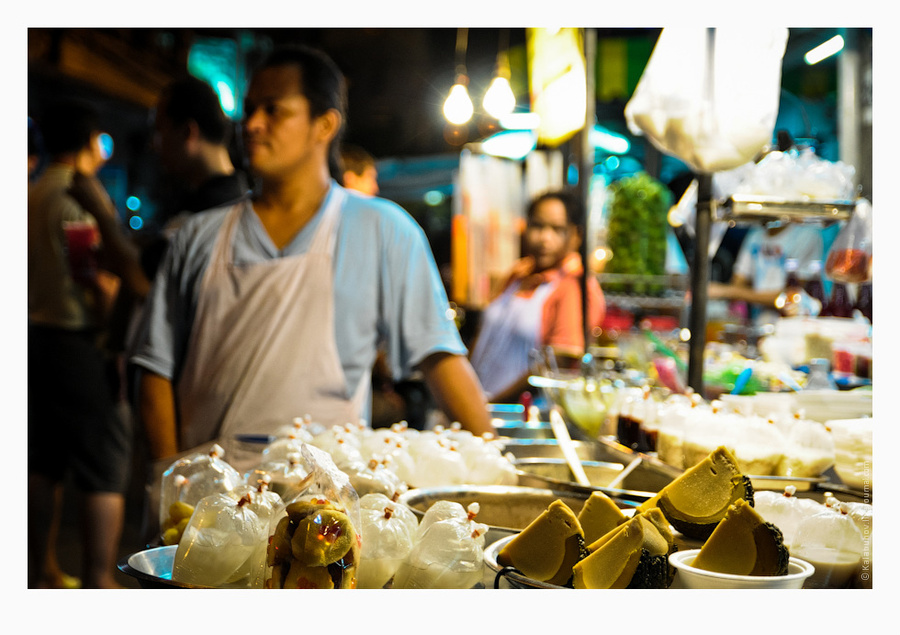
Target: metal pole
700, 268
585, 171
700, 283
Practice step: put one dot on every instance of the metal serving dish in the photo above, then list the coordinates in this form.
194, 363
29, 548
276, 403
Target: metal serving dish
152, 568
610, 466
504, 509
555, 475
549, 449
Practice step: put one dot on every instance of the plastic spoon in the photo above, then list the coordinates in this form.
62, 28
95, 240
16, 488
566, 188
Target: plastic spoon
741, 382
561, 432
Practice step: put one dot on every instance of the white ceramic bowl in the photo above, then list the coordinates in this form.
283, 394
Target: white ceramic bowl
689, 577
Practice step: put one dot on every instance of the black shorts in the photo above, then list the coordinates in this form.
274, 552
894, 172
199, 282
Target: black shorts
73, 422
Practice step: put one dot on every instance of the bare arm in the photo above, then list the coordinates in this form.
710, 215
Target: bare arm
157, 410
740, 289
124, 259
456, 388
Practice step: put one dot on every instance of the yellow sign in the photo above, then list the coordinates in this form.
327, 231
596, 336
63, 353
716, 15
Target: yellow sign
558, 82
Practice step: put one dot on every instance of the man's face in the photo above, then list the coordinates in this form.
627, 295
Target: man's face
280, 135
547, 234
367, 182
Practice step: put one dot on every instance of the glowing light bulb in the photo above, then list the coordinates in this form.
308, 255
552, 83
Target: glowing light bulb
458, 108
499, 99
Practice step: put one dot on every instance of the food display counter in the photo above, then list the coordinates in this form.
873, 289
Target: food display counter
475, 495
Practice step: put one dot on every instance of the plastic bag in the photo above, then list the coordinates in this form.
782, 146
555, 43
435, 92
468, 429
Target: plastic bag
288, 477
203, 473
387, 539
224, 545
449, 553
850, 256
830, 541
710, 96
785, 510
374, 477
302, 428
263, 502
316, 542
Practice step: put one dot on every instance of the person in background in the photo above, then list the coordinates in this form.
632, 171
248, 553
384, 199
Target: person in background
274, 307
360, 174
74, 427
35, 152
359, 170
191, 138
540, 304
759, 273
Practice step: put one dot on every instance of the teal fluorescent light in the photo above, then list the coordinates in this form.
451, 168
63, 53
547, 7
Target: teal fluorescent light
824, 50
603, 139
510, 144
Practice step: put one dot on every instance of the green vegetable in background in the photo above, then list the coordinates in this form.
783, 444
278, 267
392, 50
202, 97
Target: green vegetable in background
636, 231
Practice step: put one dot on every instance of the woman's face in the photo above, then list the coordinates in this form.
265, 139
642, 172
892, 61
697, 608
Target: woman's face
547, 235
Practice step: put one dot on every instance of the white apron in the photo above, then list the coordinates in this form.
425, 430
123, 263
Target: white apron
511, 329
262, 350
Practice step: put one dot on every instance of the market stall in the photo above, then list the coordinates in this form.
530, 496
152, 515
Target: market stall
668, 463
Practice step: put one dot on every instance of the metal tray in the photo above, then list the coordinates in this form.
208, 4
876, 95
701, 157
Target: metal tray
745, 207
504, 509
778, 483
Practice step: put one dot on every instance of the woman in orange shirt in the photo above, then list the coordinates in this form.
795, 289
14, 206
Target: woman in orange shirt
540, 304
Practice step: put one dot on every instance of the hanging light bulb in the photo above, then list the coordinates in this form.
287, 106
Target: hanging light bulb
499, 100
458, 107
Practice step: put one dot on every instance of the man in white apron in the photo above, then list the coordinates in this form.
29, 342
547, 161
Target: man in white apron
273, 308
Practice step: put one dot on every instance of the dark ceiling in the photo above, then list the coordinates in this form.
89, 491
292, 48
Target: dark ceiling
397, 77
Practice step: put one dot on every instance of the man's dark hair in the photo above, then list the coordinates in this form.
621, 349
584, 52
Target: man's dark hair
355, 159
192, 99
67, 126
322, 83
35, 141
573, 205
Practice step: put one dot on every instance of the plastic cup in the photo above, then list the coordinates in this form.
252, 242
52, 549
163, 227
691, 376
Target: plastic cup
82, 241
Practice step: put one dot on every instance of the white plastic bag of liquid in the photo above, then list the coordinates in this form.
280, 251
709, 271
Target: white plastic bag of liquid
710, 96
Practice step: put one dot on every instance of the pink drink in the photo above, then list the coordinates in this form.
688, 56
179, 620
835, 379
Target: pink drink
82, 242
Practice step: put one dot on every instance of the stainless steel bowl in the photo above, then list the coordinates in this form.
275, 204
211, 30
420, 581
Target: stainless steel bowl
504, 509
152, 568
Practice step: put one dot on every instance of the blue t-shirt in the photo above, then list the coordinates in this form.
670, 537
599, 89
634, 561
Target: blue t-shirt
387, 287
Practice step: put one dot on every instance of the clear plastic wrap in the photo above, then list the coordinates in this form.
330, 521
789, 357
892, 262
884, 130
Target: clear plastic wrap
387, 539
449, 553
224, 545
808, 448
289, 477
301, 428
203, 474
785, 510
402, 513
849, 258
263, 502
282, 447
316, 543
833, 544
373, 477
